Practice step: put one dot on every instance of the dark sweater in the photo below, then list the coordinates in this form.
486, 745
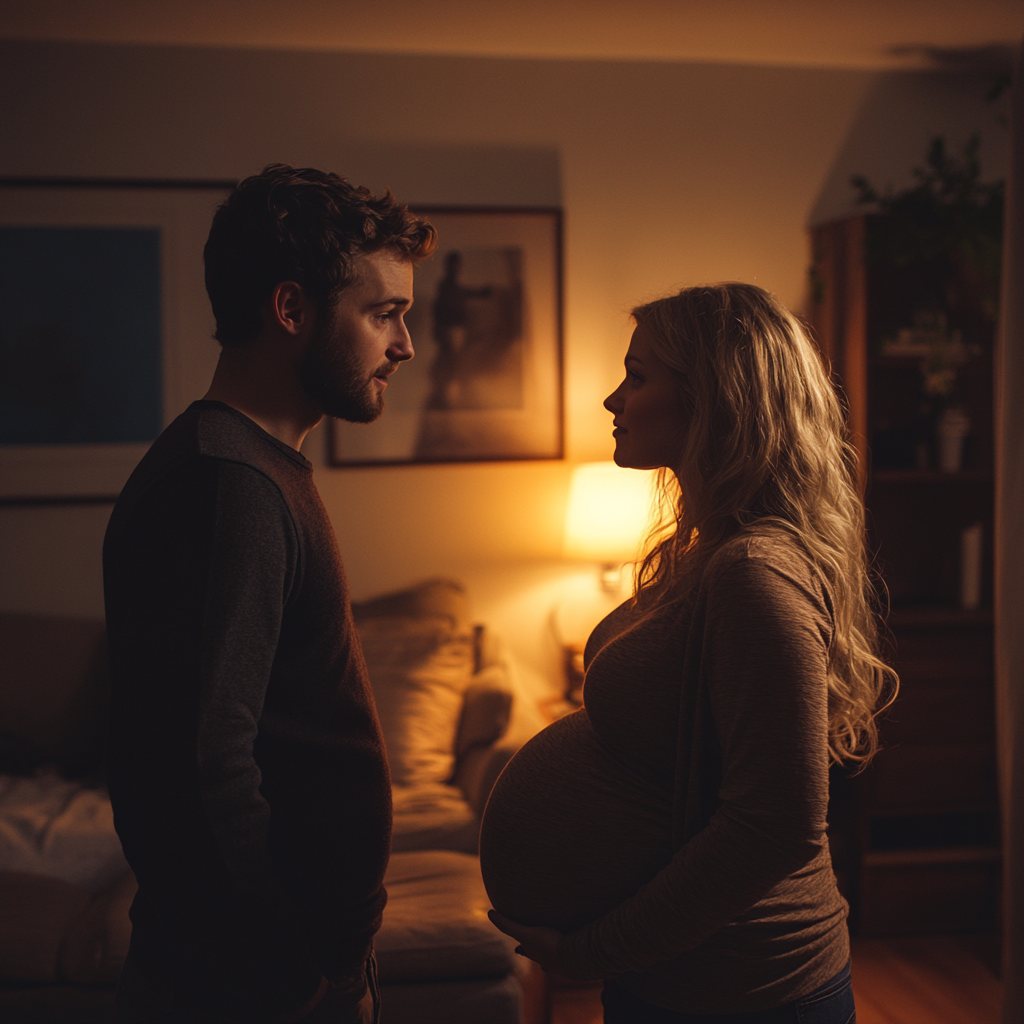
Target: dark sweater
247, 769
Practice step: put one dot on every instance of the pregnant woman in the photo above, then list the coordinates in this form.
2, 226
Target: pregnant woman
669, 837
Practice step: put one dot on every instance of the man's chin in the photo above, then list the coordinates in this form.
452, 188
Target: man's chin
352, 412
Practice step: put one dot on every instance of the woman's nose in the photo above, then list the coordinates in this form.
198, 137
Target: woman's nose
612, 402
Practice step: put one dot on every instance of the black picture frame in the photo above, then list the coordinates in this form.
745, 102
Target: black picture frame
487, 382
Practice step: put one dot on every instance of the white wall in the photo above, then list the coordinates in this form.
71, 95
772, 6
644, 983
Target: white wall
669, 174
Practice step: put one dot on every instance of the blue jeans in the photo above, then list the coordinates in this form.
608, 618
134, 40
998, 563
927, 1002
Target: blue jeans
832, 1003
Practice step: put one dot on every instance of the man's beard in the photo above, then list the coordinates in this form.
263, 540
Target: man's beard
330, 376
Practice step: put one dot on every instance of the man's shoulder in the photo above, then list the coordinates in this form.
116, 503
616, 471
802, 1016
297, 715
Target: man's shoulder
207, 448
212, 431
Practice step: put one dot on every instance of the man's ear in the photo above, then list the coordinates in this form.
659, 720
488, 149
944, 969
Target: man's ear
290, 308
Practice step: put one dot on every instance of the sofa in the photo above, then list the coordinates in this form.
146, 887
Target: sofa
452, 716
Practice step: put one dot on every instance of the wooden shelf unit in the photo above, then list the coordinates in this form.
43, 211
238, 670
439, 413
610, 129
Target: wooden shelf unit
915, 836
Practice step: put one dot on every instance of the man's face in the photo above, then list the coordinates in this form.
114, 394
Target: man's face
359, 343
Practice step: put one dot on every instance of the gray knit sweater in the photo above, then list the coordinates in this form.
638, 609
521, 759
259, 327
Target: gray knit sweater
675, 827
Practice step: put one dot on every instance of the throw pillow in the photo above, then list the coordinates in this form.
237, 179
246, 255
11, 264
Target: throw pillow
420, 668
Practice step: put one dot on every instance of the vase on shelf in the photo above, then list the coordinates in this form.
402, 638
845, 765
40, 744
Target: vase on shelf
951, 431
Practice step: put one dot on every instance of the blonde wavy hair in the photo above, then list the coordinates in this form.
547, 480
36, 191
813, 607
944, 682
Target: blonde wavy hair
766, 443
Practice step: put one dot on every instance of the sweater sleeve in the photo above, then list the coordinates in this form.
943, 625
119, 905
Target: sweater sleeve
764, 659
195, 609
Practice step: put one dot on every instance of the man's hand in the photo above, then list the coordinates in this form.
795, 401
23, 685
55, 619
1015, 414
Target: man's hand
349, 1002
535, 943
338, 1007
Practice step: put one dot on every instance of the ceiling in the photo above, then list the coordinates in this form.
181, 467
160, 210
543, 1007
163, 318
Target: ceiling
962, 34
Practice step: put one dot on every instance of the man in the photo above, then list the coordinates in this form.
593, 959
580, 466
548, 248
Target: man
247, 769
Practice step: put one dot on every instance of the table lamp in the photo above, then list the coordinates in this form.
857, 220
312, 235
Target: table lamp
609, 512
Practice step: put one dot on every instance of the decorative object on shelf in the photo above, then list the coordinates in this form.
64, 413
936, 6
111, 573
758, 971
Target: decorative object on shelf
941, 353
486, 383
933, 251
951, 430
948, 228
971, 541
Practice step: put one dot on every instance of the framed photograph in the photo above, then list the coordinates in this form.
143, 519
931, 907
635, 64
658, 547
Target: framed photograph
486, 381
108, 331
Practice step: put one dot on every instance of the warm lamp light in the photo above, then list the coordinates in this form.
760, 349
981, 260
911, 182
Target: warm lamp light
609, 511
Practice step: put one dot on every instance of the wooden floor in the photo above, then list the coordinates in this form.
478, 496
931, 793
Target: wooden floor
928, 980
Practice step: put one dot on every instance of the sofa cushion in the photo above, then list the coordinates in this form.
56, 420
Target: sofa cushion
37, 913
435, 923
486, 710
58, 827
480, 1001
433, 816
419, 670
431, 599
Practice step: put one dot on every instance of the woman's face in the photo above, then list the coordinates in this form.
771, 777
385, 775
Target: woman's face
649, 424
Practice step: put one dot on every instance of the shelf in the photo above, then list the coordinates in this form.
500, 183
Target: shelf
934, 855
935, 618
930, 476
895, 362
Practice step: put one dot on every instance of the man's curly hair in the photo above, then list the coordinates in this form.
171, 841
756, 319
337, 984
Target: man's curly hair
302, 225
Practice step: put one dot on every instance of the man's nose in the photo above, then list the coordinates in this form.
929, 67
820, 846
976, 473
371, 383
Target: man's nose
401, 348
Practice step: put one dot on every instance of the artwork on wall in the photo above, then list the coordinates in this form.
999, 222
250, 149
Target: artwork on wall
108, 332
80, 343
486, 381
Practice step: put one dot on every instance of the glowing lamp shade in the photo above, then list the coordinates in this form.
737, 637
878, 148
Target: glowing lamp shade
608, 514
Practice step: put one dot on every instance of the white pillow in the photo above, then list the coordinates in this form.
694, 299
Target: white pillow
419, 669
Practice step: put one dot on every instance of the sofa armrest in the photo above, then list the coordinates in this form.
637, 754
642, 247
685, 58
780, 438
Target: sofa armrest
479, 769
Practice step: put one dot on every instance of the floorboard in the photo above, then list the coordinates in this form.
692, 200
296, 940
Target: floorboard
935, 979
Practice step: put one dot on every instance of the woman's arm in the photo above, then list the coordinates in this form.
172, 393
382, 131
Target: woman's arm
764, 658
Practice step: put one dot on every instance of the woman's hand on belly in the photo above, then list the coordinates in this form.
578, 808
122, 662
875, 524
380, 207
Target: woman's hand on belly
535, 943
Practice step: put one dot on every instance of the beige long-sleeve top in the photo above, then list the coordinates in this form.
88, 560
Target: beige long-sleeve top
675, 827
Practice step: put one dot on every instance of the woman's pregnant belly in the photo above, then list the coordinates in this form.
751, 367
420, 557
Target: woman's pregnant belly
568, 832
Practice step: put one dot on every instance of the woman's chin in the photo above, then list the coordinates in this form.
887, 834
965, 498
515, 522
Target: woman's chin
621, 457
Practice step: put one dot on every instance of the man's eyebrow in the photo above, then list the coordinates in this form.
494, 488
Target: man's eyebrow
396, 300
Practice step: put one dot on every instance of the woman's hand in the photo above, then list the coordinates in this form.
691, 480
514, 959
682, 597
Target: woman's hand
535, 943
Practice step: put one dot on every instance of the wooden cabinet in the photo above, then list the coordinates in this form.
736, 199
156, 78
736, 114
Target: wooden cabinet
915, 836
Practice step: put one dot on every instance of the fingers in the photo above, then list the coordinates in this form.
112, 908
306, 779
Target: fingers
504, 924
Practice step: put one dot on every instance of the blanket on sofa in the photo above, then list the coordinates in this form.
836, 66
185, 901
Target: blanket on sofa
61, 828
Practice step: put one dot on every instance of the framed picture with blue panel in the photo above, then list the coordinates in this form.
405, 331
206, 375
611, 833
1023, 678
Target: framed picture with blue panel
107, 334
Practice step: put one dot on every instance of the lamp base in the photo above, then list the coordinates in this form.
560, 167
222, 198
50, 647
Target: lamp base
572, 658
611, 577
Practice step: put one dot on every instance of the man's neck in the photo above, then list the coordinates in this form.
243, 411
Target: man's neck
251, 381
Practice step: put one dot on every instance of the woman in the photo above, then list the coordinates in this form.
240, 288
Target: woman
670, 836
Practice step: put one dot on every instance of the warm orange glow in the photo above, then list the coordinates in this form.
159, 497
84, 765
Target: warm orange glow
608, 514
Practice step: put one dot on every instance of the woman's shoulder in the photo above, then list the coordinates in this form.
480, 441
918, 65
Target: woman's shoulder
767, 557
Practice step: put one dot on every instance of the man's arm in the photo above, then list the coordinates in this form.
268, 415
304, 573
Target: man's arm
197, 582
